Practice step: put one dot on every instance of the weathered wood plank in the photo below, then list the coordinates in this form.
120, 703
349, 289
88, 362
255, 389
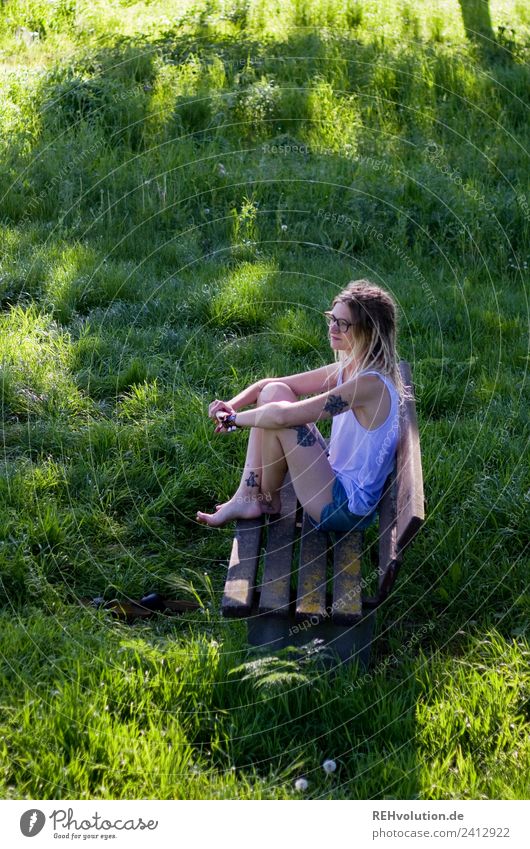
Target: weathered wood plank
311, 595
410, 503
242, 568
276, 584
389, 558
347, 588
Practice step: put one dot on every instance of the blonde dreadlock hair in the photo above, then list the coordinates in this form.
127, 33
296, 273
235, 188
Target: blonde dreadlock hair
374, 316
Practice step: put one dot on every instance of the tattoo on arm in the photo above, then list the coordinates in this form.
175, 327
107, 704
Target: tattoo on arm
335, 405
252, 479
304, 436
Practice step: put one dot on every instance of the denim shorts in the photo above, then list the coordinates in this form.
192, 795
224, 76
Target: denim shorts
337, 517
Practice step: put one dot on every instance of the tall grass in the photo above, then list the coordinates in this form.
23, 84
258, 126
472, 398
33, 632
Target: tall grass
183, 192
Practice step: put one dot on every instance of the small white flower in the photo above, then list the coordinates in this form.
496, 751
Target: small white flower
284, 226
301, 784
329, 766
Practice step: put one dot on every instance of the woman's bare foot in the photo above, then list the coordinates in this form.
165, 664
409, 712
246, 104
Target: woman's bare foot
273, 506
237, 508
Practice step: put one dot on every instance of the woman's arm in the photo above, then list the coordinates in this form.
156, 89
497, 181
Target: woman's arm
310, 382
354, 393
305, 383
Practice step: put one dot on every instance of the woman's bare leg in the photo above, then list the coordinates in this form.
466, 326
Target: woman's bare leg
250, 483
248, 501
302, 450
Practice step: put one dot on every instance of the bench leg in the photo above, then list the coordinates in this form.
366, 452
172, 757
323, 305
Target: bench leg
348, 642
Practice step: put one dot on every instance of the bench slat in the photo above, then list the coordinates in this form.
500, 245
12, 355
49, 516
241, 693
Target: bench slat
410, 505
347, 590
276, 585
311, 596
242, 568
388, 550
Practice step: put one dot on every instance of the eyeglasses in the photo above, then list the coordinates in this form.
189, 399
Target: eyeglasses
342, 325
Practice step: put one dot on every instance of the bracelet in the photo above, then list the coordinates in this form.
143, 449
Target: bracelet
229, 423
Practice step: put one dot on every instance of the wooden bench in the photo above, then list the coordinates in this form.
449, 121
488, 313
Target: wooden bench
323, 598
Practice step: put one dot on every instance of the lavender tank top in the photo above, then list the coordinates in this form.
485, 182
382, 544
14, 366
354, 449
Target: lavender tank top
362, 459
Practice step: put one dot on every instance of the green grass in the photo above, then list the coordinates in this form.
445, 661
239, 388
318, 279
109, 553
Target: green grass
182, 195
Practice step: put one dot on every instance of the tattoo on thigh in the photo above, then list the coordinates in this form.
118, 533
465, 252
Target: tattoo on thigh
304, 436
335, 405
252, 479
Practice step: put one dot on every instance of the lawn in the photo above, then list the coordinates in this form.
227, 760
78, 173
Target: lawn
185, 186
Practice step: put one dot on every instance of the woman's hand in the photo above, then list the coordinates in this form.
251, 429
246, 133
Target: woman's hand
219, 407
222, 407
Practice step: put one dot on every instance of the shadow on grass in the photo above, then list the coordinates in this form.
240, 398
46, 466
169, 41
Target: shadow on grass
477, 24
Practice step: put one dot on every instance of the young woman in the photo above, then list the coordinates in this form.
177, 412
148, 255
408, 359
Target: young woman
362, 391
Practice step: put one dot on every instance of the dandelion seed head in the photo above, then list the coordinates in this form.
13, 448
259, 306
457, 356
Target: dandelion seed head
329, 766
301, 784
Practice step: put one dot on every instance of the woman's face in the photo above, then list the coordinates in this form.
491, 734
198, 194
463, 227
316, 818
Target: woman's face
341, 340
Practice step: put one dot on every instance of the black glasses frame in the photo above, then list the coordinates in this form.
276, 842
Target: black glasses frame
342, 323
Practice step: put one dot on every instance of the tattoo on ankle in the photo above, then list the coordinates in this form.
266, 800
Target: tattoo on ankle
335, 405
304, 436
252, 479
